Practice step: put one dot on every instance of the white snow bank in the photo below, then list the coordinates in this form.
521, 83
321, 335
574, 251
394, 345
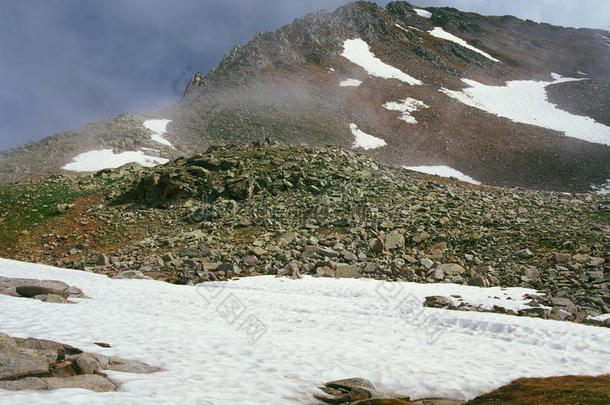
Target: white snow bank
357, 51
422, 13
525, 101
441, 33
350, 83
364, 140
159, 128
311, 331
95, 160
443, 171
406, 107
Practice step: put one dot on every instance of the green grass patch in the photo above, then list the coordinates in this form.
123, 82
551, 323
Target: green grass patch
24, 206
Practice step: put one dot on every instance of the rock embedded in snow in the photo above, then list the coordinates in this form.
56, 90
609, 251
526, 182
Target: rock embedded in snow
35, 364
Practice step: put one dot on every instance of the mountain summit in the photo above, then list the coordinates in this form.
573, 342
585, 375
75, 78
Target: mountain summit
492, 100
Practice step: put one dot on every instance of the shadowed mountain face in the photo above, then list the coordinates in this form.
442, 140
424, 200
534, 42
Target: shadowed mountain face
314, 82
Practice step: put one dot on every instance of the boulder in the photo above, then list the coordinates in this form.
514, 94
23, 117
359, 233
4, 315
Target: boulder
437, 301
92, 382
478, 281
452, 269
394, 240
348, 271
131, 274
376, 246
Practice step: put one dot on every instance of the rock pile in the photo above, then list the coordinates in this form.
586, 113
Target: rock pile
36, 364
268, 209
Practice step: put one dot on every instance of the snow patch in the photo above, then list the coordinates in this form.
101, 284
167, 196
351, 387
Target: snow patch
96, 160
525, 101
357, 51
159, 128
350, 83
365, 141
602, 189
600, 318
315, 330
580, 72
406, 107
423, 13
441, 33
443, 171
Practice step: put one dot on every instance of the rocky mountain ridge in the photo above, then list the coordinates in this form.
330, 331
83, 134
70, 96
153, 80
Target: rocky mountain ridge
287, 85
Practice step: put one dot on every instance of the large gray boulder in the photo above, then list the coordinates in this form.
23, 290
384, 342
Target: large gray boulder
36, 364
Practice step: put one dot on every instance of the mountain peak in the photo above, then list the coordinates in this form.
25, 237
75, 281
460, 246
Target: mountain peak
492, 98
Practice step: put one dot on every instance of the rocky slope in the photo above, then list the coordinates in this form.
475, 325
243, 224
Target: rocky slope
287, 84
293, 210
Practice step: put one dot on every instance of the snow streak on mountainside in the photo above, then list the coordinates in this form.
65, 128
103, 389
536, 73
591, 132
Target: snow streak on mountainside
364, 140
310, 331
358, 52
441, 33
443, 171
159, 128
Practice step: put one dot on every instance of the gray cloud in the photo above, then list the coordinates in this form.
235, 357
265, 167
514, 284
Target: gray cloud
67, 62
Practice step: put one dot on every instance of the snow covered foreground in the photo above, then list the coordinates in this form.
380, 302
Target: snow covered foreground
267, 340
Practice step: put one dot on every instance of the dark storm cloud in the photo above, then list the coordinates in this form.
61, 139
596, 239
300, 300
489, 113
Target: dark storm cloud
64, 63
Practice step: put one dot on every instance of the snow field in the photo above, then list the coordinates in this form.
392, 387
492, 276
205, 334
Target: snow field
95, 160
525, 101
310, 331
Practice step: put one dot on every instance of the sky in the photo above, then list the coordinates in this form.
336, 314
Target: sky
64, 63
